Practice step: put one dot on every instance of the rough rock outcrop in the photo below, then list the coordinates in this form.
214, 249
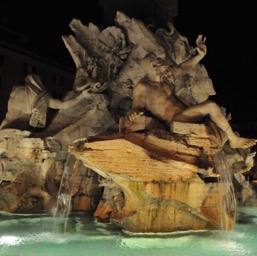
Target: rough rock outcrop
162, 182
31, 171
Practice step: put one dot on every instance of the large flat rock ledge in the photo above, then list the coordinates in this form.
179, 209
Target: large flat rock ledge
162, 185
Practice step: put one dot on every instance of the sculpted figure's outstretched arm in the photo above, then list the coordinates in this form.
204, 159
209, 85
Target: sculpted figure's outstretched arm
66, 104
201, 49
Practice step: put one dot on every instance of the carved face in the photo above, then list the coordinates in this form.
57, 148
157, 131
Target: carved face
158, 67
163, 70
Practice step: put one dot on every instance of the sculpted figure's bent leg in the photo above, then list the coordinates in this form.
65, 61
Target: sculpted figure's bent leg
197, 112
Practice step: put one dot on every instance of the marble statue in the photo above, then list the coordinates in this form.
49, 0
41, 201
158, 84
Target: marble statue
137, 135
28, 104
154, 94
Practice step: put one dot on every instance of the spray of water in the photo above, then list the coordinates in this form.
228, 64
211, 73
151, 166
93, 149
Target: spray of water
62, 208
228, 202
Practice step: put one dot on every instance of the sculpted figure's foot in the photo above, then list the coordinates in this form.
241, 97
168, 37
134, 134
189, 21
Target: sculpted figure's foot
241, 142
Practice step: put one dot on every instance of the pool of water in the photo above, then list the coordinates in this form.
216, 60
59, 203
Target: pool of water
31, 235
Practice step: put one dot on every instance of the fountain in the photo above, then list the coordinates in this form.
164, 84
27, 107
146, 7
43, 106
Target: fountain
138, 176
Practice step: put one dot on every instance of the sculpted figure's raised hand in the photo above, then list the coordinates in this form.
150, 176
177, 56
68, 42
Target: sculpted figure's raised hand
201, 47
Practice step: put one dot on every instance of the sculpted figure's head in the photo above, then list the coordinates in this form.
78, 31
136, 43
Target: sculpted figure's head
155, 66
147, 62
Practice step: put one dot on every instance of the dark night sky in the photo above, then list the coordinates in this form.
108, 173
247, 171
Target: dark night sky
229, 26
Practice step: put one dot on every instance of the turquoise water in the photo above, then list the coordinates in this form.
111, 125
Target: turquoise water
31, 235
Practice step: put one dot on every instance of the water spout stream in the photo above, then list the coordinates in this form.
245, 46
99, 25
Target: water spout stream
228, 202
62, 208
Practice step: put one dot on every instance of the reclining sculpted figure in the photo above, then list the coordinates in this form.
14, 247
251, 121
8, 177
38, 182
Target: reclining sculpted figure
154, 94
27, 105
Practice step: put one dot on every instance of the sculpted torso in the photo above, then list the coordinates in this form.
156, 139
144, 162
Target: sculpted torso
156, 98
